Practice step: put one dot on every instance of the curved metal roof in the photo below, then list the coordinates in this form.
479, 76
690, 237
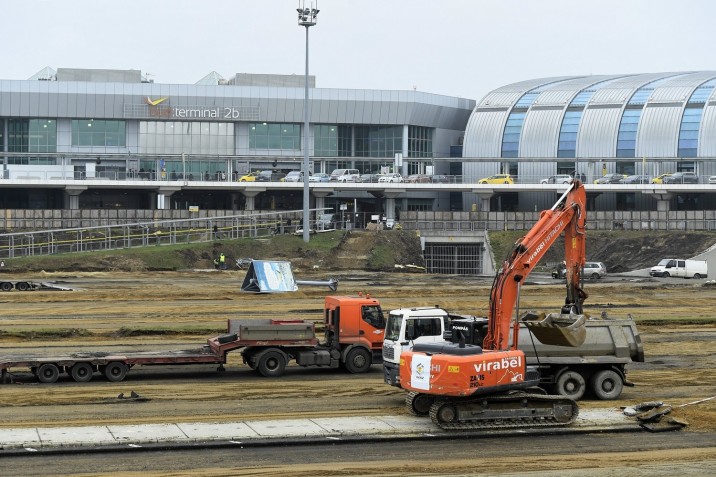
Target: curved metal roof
662, 98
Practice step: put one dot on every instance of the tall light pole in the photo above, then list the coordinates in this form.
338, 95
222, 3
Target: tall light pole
306, 18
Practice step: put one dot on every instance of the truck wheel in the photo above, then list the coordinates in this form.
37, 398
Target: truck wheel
115, 371
358, 360
22, 286
570, 384
81, 372
48, 373
697, 275
606, 384
271, 364
5, 286
665, 275
418, 404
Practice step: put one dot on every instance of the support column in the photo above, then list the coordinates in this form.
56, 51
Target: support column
164, 195
483, 198
320, 196
250, 195
390, 196
72, 196
663, 199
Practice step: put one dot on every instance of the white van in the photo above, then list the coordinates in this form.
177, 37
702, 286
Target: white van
676, 267
344, 175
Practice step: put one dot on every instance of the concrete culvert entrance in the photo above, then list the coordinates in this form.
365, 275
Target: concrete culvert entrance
460, 259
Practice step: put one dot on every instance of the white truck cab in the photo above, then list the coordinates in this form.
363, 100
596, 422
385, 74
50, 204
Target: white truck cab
406, 327
677, 267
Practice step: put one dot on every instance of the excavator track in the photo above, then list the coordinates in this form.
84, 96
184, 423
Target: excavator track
503, 411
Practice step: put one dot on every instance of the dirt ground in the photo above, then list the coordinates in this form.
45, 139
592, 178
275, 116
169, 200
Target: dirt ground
129, 311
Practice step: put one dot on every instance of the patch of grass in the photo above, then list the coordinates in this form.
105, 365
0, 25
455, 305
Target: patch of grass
382, 257
45, 333
163, 331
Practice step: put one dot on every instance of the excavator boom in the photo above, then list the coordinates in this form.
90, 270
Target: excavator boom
568, 215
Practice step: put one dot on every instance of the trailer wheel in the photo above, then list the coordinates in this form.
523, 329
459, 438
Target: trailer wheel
115, 371
358, 360
606, 384
48, 373
22, 286
5, 286
271, 364
570, 384
81, 372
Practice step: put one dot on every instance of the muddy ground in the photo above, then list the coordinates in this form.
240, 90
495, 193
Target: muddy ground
128, 311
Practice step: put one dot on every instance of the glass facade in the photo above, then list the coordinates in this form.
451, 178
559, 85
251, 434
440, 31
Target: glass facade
378, 141
177, 137
32, 135
626, 138
629, 125
691, 119
103, 133
276, 136
420, 141
332, 140
568, 134
511, 136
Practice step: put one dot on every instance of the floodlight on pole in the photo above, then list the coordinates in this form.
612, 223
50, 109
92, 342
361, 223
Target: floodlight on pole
306, 18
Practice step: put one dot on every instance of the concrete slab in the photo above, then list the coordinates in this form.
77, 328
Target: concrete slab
147, 433
19, 437
73, 436
354, 425
286, 428
216, 430
411, 424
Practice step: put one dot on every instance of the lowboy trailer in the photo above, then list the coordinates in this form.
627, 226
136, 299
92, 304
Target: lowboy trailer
354, 338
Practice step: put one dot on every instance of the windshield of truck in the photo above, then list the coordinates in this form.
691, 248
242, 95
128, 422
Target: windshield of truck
373, 315
663, 263
422, 327
392, 328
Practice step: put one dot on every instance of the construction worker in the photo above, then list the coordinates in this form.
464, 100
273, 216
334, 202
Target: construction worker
222, 261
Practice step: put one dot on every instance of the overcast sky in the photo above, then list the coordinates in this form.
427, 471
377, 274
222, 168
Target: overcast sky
460, 48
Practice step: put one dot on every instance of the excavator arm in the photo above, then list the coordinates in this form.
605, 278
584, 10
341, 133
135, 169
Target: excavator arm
568, 215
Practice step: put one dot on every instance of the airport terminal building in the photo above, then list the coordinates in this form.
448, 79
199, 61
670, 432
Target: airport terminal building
94, 139
112, 139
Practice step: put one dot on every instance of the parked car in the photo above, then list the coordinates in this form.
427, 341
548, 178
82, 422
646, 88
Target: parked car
497, 179
418, 178
326, 222
345, 175
557, 179
368, 178
293, 176
440, 179
610, 179
270, 176
250, 177
712, 180
636, 179
319, 177
594, 270
660, 179
682, 178
392, 177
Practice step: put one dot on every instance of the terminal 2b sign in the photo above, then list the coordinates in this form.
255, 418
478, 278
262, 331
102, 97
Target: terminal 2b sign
160, 109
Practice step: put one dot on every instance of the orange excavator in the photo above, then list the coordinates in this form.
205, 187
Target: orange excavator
463, 386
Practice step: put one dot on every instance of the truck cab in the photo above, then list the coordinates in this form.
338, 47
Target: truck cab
355, 327
405, 328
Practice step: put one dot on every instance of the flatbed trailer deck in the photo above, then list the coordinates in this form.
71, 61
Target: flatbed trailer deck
254, 339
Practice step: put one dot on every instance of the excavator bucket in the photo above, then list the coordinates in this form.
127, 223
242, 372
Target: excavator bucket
558, 329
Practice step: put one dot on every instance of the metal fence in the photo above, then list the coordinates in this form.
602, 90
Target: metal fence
141, 234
